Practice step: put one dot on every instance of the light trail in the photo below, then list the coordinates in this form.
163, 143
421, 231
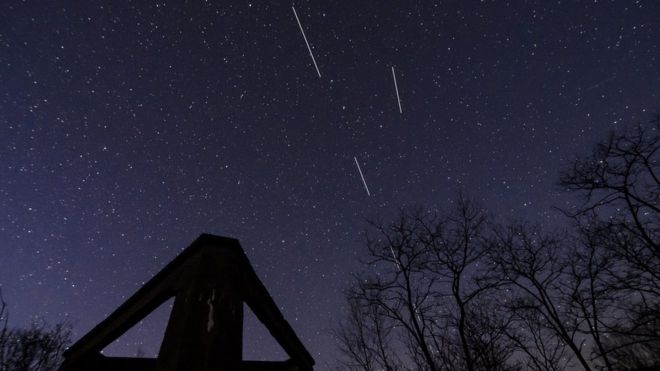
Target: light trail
305, 37
362, 176
398, 99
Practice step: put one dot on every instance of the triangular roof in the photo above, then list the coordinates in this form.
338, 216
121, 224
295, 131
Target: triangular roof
210, 280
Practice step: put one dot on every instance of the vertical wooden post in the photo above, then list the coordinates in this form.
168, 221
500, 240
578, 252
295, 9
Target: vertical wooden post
205, 331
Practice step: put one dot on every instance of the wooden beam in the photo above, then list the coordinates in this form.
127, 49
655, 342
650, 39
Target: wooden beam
210, 280
205, 331
264, 307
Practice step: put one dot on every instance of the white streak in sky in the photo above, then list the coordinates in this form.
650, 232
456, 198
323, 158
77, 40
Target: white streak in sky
601, 82
362, 176
396, 261
305, 37
397, 90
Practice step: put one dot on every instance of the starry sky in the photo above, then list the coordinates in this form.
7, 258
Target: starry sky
127, 128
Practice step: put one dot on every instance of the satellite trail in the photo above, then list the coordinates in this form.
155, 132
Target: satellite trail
362, 176
305, 37
397, 90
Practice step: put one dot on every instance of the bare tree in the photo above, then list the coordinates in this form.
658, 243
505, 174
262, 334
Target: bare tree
619, 184
533, 267
487, 335
456, 245
365, 337
458, 293
36, 348
590, 292
424, 279
400, 285
635, 348
617, 290
540, 349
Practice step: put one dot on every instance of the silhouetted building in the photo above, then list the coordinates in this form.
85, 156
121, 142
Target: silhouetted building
210, 281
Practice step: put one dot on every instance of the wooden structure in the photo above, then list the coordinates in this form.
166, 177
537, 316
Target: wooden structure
210, 281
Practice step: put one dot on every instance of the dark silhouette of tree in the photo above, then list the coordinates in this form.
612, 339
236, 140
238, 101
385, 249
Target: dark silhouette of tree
402, 289
456, 244
619, 185
424, 285
591, 296
456, 291
532, 265
36, 348
366, 337
619, 224
635, 348
487, 335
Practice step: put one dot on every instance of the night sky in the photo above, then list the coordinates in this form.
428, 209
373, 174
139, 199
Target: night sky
127, 128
